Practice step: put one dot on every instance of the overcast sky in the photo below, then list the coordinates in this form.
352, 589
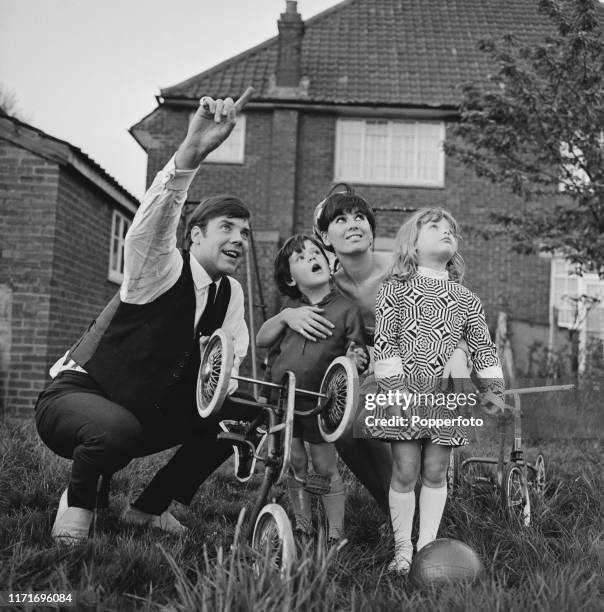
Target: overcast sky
87, 70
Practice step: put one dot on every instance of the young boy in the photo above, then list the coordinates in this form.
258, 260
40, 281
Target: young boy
302, 273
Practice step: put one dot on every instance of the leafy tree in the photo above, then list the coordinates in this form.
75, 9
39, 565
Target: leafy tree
537, 127
9, 104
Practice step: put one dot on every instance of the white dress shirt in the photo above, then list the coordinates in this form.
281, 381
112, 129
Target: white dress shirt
153, 264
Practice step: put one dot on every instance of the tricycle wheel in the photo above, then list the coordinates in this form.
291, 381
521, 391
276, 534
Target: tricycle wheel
214, 374
516, 501
540, 474
341, 386
454, 471
273, 539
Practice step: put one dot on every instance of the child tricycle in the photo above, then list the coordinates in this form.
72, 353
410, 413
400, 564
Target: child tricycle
267, 436
514, 477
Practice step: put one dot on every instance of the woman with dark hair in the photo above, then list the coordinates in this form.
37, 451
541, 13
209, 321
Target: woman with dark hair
345, 223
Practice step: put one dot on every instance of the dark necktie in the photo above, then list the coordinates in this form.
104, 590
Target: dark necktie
211, 296
208, 312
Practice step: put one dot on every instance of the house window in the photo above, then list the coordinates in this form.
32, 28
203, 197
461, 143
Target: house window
120, 224
232, 150
383, 152
577, 300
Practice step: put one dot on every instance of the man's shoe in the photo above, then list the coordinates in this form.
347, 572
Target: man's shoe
72, 524
165, 521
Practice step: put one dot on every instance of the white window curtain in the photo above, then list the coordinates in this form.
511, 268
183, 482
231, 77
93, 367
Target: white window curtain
594, 321
120, 224
577, 300
384, 152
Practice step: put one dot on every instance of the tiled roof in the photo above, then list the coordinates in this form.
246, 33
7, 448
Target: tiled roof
391, 52
34, 139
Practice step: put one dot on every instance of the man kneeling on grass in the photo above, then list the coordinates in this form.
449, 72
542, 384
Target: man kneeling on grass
127, 388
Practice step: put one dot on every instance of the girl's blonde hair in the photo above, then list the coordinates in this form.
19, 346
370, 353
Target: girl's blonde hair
404, 265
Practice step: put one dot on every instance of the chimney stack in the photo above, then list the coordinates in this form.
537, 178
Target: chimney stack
291, 32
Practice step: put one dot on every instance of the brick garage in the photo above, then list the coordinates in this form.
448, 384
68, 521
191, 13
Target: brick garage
56, 209
380, 60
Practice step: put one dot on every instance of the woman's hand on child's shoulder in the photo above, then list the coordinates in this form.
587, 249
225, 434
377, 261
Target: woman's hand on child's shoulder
308, 322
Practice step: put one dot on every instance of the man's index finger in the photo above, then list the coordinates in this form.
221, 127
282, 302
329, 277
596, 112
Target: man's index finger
244, 98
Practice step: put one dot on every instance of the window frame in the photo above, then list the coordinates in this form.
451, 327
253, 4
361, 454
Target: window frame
341, 176
241, 126
583, 327
114, 273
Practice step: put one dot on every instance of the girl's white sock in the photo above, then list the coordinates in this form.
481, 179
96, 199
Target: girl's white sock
431, 505
402, 509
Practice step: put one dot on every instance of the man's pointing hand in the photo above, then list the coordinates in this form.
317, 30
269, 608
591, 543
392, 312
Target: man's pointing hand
209, 128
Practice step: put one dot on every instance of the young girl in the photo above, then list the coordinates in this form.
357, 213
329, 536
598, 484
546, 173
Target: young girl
421, 314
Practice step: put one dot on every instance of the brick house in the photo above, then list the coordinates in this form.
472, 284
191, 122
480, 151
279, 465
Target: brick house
365, 92
62, 222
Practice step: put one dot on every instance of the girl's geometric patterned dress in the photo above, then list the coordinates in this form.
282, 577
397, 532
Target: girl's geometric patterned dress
419, 322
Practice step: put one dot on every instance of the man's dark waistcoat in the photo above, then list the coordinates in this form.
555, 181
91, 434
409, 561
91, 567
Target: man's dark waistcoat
143, 354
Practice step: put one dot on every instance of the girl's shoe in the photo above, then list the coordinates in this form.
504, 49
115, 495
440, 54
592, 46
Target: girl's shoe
337, 542
399, 566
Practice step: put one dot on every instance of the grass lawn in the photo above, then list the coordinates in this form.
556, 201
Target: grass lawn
556, 564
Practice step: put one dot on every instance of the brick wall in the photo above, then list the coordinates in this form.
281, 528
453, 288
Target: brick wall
250, 180
28, 190
167, 128
80, 260
54, 234
502, 279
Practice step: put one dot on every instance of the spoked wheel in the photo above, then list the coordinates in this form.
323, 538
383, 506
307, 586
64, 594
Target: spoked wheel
214, 374
273, 539
515, 494
454, 471
341, 386
540, 474
286, 404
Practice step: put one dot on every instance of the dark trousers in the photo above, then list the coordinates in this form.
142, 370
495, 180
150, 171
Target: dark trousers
76, 421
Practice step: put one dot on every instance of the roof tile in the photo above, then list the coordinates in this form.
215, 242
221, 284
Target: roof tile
399, 52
